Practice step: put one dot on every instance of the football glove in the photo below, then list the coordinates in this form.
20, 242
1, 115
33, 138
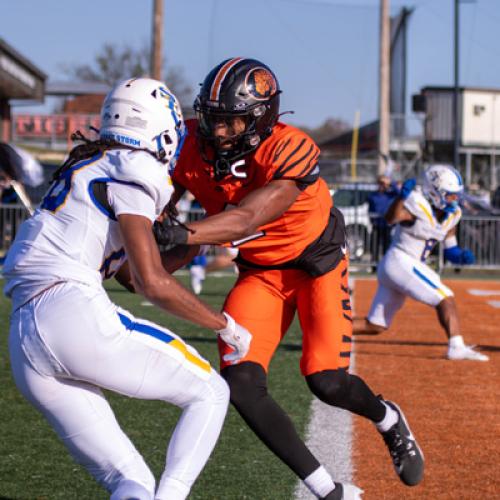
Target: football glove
167, 234
460, 256
237, 337
407, 187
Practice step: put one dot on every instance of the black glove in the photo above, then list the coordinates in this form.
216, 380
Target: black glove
167, 235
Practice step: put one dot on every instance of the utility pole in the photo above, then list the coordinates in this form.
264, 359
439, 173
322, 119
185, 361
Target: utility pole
384, 69
456, 90
157, 40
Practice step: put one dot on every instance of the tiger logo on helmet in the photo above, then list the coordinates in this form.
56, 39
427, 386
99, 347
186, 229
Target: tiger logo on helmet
260, 83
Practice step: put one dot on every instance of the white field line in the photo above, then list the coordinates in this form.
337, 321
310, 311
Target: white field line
329, 437
494, 303
483, 293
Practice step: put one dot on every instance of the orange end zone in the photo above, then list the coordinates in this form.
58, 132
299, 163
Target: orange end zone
453, 407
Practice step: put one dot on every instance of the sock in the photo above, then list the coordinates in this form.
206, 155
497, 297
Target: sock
320, 482
391, 417
456, 341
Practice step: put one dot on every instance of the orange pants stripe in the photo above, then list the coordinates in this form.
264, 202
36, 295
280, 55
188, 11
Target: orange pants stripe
265, 302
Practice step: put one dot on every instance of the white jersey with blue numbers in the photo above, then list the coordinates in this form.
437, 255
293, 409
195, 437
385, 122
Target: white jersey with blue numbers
73, 235
419, 238
403, 272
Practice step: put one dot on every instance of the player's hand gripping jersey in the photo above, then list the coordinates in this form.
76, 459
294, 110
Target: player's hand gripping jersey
74, 235
419, 238
287, 153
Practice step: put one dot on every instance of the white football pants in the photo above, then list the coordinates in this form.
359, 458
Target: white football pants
71, 340
399, 276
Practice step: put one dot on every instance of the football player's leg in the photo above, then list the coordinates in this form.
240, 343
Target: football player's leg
255, 304
423, 284
324, 313
160, 366
192, 385
387, 301
413, 278
83, 420
448, 318
112, 349
426, 286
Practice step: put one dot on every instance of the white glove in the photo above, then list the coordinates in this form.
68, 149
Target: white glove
237, 337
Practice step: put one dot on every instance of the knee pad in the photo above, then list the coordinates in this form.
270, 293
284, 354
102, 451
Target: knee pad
247, 383
330, 386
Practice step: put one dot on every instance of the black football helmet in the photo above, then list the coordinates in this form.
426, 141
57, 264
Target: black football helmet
237, 87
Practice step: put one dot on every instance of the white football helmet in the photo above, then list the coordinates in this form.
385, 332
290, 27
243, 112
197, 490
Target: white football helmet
144, 114
439, 182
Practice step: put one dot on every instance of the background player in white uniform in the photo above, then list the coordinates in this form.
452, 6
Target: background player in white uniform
425, 215
67, 339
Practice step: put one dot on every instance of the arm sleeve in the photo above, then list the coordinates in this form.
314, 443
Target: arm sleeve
130, 199
296, 157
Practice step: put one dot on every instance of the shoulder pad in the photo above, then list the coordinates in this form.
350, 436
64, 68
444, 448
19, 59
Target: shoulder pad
418, 205
141, 169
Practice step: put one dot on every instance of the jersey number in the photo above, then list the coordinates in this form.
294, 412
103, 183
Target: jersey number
59, 190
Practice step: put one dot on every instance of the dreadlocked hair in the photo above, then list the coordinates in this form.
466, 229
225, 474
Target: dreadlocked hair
90, 148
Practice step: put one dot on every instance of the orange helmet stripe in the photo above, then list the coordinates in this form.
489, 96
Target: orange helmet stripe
219, 78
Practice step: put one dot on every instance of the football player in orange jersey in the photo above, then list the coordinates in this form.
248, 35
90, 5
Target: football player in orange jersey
258, 179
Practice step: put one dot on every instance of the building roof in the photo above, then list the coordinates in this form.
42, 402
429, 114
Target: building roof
5, 47
67, 88
438, 88
19, 78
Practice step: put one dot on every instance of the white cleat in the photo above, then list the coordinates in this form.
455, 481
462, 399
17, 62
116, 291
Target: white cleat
352, 492
344, 491
456, 353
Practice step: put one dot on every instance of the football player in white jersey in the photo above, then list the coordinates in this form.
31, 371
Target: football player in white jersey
68, 340
424, 216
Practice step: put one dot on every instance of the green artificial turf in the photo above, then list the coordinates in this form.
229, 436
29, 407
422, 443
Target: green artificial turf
35, 465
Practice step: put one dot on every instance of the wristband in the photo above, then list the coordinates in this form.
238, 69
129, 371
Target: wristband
450, 242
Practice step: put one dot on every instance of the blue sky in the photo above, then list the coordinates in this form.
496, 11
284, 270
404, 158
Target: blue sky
324, 52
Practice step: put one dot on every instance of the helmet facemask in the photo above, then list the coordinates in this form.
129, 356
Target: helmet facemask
242, 96
443, 187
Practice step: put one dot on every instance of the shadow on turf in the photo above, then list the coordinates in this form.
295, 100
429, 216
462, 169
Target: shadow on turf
213, 340
359, 341
203, 294
483, 347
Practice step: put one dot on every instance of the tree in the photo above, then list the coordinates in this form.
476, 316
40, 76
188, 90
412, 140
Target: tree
330, 128
113, 63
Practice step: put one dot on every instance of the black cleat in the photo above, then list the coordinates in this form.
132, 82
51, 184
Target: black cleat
406, 455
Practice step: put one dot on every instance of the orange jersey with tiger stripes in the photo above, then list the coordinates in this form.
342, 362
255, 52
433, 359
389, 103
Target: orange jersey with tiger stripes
287, 153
